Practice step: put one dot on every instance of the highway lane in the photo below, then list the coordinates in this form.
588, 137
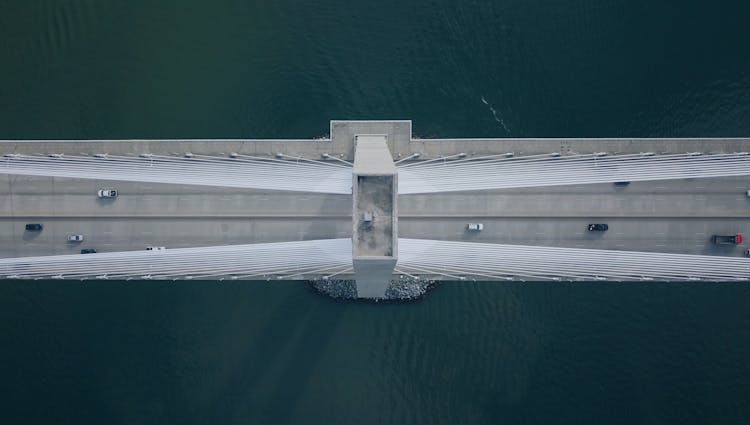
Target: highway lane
135, 233
663, 216
675, 235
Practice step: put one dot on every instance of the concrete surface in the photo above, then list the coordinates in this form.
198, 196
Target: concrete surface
663, 216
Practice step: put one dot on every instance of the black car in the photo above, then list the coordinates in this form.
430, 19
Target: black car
88, 251
621, 184
34, 226
598, 227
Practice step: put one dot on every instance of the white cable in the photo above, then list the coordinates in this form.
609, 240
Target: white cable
241, 171
498, 261
545, 170
264, 260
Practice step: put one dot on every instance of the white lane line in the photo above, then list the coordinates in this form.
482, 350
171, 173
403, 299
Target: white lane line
700, 187
659, 244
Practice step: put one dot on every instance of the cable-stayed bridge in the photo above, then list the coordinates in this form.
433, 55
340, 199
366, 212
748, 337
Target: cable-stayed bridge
373, 204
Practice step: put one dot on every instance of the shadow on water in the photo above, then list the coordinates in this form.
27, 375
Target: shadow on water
290, 349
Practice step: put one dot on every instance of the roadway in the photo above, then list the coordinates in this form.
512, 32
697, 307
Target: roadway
665, 216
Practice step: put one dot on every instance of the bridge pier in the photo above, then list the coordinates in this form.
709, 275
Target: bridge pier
374, 215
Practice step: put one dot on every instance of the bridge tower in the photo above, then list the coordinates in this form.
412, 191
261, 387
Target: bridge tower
374, 216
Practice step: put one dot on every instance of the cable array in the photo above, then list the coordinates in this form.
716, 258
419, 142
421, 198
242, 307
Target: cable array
262, 261
485, 261
239, 171
501, 172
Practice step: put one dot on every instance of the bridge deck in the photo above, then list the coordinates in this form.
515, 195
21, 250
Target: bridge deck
677, 216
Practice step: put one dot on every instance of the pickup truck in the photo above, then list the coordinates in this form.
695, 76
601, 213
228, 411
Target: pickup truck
727, 239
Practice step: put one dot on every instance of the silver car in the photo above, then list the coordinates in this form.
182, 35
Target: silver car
107, 193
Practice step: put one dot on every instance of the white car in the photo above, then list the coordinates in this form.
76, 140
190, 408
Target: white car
475, 227
107, 193
74, 238
155, 248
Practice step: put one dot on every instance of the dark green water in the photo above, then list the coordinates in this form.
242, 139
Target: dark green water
470, 353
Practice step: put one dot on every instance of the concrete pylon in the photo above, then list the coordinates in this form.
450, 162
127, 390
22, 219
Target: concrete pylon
374, 215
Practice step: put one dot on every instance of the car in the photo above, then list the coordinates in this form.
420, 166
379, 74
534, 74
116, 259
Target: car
621, 184
74, 238
88, 251
34, 227
598, 227
735, 239
107, 193
155, 248
475, 227
747, 252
